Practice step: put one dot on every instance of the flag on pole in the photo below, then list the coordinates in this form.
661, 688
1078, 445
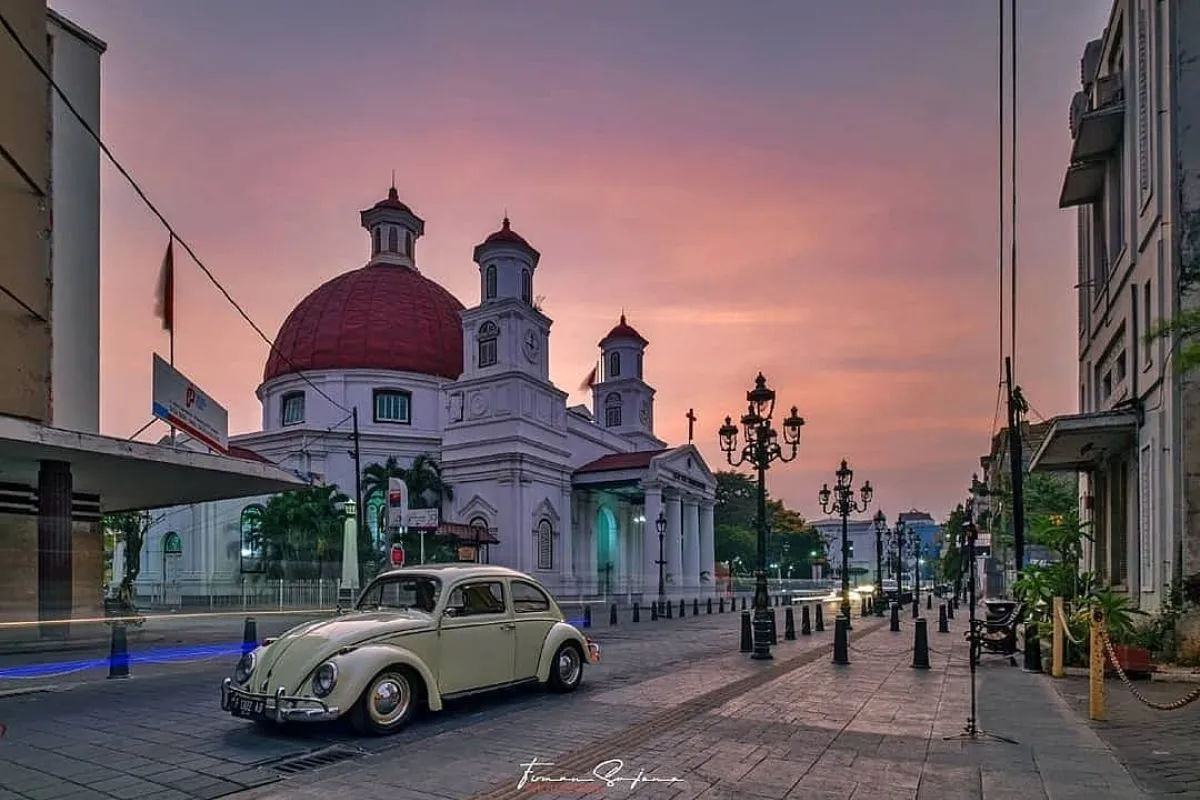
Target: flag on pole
589, 381
166, 288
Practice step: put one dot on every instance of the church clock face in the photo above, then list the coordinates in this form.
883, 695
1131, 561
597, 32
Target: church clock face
530, 344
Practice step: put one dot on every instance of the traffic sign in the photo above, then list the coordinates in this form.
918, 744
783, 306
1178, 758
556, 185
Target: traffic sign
396, 555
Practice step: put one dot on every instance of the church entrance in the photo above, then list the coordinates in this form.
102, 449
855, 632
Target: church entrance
607, 551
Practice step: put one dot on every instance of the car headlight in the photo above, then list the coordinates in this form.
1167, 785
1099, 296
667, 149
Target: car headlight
244, 668
324, 679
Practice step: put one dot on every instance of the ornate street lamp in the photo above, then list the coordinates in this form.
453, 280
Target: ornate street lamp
896, 537
761, 448
914, 545
880, 531
660, 525
841, 501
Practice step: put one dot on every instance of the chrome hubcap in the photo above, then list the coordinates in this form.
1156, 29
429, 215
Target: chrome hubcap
568, 666
389, 698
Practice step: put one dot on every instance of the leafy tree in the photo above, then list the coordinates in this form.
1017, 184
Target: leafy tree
791, 541
129, 527
300, 533
736, 500
951, 567
426, 489
1183, 328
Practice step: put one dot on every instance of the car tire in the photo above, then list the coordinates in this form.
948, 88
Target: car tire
388, 702
566, 670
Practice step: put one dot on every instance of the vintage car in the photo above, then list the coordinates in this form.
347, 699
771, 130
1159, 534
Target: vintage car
416, 637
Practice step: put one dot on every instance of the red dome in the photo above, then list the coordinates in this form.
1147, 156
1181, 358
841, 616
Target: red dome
378, 317
507, 236
623, 330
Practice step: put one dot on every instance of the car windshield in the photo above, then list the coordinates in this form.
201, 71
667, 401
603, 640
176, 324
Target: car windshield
402, 592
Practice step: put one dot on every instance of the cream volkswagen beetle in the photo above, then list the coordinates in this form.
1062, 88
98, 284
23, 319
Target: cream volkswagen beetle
417, 636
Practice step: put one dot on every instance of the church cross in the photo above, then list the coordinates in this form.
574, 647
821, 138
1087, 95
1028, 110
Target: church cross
691, 418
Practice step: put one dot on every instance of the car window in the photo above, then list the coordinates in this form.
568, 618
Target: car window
419, 592
527, 598
472, 599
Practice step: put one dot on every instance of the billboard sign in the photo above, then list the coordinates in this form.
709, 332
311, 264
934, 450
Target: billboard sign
397, 502
422, 518
180, 403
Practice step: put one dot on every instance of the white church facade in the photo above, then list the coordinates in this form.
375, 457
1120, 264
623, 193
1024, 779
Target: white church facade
568, 494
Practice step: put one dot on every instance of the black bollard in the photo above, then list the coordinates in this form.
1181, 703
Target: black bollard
612, 615
743, 602
820, 623
249, 635
929, 601
789, 624
805, 623
920, 645
721, 604
637, 615
669, 606
950, 610
587, 616
695, 607
862, 608
916, 609
118, 654
841, 644
682, 610
774, 639
709, 605
747, 644
895, 618
943, 625
654, 612
1033, 648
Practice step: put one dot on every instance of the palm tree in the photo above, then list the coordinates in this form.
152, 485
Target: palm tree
300, 532
426, 489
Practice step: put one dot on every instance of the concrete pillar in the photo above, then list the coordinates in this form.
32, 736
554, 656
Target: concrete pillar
55, 585
708, 553
691, 544
674, 542
349, 589
566, 538
654, 505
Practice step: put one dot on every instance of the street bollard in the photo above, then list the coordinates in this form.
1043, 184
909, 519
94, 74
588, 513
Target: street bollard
747, 644
950, 610
1056, 643
929, 602
862, 609
743, 602
249, 635
587, 616
841, 644
669, 606
118, 653
916, 609
721, 604
920, 645
709, 605
895, 628
1033, 648
789, 624
820, 622
654, 612
1096, 689
774, 639
695, 607
682, 609
612, 615
637, 615
943, 625
805, 622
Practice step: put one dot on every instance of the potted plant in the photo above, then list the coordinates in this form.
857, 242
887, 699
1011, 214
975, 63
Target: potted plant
1119, 614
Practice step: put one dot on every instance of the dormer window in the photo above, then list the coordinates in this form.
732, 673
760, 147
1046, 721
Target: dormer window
393, 240
612, 410
489, 282
486, 339
526, 287
614, 365
292, 408
375, 242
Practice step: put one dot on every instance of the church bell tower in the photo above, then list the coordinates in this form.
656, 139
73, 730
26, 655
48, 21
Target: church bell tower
622, 401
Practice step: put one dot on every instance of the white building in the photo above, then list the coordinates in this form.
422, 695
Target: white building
571, 494
861, 536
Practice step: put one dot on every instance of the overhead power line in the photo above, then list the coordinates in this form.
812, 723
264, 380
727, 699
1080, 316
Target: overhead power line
154, 210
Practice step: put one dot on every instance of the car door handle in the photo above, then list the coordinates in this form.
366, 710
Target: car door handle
508, 626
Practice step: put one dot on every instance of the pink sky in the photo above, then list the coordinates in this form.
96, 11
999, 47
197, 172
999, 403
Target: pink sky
758, 186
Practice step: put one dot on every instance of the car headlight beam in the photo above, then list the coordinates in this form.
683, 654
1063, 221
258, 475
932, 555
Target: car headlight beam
324, 679
244, 668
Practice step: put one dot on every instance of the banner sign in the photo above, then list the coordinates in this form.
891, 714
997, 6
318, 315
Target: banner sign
180, 403
422, 518
397, 502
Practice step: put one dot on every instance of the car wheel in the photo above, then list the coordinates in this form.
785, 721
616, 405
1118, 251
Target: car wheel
388, 702
566, 671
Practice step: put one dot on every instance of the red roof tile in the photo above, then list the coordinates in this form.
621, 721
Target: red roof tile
623, 330
618, 461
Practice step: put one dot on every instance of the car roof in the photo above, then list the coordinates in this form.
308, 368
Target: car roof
451, 572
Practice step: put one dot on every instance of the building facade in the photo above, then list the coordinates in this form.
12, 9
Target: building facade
1134, 178
568, 494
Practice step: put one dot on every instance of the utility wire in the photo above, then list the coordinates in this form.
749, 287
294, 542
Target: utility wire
1013, 191
24, 305
1000, 190
154, 210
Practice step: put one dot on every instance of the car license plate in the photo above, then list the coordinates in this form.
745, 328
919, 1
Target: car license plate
248, 707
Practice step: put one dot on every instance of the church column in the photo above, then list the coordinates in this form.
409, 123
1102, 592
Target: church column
587, 564
654, 506
566, 536
691, 544
708, 555
673, 541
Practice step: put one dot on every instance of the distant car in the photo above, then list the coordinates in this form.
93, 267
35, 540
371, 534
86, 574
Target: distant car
416, 637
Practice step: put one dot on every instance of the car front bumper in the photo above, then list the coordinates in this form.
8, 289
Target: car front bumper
279, 707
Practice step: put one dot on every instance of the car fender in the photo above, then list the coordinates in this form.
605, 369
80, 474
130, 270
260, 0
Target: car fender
361, 664
561, 632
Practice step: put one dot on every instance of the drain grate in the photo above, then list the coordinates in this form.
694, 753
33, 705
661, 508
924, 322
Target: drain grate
317, 760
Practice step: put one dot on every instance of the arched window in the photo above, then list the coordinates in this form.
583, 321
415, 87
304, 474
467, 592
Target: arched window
251, 536
612, 410
489, 282
172, 543
545, 545
375, 241
526, 286
393, 240
376, 518
614, 365
486, 338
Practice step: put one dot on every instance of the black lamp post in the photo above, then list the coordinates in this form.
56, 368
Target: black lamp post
660, 525
896, 540
841, 501
761, 448
914, 543
880, 530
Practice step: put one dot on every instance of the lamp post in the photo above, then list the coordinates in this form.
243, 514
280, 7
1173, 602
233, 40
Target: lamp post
761, 448
660, 525
841, 501
914, 543
880, 530
896, 539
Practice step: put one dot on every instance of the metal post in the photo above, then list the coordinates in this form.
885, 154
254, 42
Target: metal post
846, 564
1096, 689
1056, 657
762, 623
1018, 477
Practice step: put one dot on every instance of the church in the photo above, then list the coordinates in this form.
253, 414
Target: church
568, 494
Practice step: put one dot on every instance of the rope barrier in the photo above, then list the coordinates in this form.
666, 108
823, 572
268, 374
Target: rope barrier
1175, 705
1067, 629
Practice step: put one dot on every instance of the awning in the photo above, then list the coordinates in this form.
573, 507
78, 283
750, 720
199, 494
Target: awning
472, 534
1099, 132
1079, 442
129, 475
1083, 184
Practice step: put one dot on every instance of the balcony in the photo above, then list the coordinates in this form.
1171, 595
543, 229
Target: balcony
1083, 184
